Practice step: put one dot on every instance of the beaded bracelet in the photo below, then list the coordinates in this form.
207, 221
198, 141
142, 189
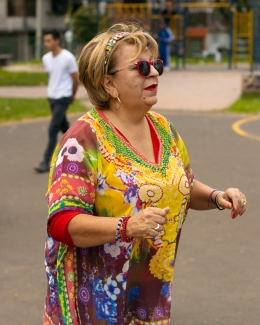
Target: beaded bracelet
123, 231
117, 236
216, 201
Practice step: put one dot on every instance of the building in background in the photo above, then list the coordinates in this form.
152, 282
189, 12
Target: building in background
18, 23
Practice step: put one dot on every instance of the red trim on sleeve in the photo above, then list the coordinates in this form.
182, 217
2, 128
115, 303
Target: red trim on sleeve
58, 227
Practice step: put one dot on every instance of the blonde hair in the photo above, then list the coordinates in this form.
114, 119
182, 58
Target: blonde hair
92, 58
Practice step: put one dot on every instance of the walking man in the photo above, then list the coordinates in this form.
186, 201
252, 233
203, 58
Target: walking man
62, 68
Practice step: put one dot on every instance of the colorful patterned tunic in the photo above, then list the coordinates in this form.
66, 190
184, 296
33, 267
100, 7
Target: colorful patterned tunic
96, 171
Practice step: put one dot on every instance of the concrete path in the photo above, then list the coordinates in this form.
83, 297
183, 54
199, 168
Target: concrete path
217, 270
178, 90
198, 91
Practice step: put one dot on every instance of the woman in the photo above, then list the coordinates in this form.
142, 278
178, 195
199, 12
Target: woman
119, 190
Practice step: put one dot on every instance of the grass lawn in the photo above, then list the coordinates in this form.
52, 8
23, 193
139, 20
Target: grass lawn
27, 62
13, 78
15, 109
247, 103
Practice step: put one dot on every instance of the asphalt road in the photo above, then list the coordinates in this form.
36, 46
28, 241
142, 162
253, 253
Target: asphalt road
217, 271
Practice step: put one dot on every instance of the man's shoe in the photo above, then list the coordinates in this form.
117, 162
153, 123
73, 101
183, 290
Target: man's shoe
43, 167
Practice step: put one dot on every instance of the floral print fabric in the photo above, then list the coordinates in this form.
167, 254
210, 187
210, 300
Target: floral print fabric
96, 171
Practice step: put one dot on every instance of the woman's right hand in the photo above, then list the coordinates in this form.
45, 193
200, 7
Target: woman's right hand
147, 223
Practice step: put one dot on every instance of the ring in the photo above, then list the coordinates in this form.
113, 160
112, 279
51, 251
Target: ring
157, 227
243, 201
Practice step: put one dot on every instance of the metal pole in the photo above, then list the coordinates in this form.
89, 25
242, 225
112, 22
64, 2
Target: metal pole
255, 29
251, 51
98, 15
178, 11
38, 33
185, 19
230, 51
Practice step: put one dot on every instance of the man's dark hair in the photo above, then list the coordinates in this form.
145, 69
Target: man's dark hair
55, 34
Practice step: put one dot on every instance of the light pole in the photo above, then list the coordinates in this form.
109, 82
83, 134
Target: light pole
38, 33
98, 15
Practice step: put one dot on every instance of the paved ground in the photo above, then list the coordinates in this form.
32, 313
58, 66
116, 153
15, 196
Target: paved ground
178, 90
217, 269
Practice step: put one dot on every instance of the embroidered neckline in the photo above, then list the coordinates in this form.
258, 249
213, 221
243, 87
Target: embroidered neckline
126, 149
128, 143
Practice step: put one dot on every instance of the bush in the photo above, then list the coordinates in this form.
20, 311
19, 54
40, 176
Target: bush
84, 23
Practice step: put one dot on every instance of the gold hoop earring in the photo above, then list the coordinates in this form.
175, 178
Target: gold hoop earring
118, 108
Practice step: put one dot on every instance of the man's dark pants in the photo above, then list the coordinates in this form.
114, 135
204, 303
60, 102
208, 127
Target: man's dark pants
58, 123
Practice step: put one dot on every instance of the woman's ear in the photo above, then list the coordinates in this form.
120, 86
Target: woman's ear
109, 86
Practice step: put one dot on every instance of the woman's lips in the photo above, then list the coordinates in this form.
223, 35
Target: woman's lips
152, 87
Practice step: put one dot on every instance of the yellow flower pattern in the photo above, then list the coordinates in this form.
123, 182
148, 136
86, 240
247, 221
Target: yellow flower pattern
150, 193
162, 263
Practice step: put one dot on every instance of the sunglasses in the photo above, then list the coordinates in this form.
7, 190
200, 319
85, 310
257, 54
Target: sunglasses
144, 67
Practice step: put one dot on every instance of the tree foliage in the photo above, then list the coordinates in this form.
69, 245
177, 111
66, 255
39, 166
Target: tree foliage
243, 5
84, 23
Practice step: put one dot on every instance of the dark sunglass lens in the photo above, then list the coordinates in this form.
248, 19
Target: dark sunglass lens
158, 65
144, 68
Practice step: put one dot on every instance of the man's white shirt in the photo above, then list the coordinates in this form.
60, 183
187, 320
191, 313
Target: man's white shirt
60, 69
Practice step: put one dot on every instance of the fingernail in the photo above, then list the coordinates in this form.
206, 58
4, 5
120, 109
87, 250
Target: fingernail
233, 215
229, 206
237, 207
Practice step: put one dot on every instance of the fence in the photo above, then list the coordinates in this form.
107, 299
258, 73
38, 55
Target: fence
20, 46
256, 35
143, 13
139, 12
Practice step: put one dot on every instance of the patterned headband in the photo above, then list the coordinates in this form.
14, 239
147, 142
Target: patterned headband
111, 43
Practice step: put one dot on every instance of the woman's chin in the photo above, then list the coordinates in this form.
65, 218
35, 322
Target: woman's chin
150, 101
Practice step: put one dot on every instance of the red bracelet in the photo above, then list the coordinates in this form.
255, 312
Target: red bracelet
123, 231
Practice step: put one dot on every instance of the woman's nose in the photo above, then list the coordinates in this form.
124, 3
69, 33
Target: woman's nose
153, 71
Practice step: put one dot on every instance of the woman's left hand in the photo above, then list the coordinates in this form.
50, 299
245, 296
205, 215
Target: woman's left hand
233, 199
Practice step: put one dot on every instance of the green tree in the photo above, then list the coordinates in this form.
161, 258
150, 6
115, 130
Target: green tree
84, 23
243, 5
